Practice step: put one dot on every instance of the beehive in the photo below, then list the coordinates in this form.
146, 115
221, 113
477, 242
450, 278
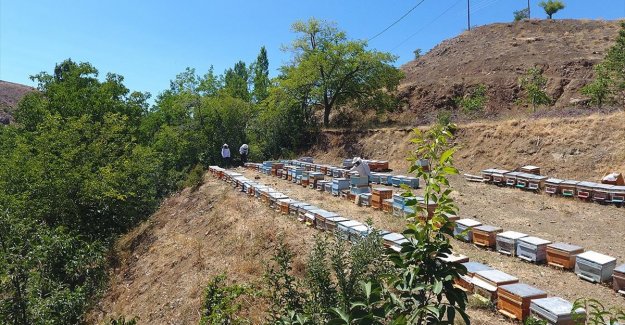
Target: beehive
486, 235
511, 178
465, 281
617, 195
485, 283
514, 299
552, 186
531, 169
467, 225
394, 240
284, 204
454, 258
584, 190
618, 279
387, 205
562, 255
532, 249
594, 267
331, 224
378, 195
321, 216
498, 176
507, 242
601, 193
554, 310
343, 228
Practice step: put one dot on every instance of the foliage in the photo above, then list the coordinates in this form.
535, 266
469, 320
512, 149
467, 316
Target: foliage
328, 70
599, 89
535, 321
615, 62
261, 76
236, 82
521, 14
596, 313
551, 6
443, 117
220, 304
417, 54
533, 83
474, 101
284, 289
121, 320
195, 178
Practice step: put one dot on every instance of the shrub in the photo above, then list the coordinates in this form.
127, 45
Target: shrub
474, 100
195, 178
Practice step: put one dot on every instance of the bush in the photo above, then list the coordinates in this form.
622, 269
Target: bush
195, 178
474, 100
220, 304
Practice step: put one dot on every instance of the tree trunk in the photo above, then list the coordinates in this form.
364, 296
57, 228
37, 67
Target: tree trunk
326, 116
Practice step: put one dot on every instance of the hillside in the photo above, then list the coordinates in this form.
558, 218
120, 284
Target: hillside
497, 55
10, 94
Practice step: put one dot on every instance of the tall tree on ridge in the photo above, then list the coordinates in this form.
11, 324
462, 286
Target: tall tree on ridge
261, 76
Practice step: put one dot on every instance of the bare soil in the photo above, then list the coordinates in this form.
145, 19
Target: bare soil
496, 55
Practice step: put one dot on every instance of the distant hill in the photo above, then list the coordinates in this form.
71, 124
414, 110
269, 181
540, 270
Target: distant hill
10, 95
497, 55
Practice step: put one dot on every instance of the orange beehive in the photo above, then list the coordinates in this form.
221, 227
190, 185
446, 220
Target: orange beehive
513, 300
485, 235
378, 195
562, 255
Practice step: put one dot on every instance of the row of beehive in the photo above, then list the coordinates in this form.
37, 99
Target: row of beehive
304, 212
513, 299
589, 265
588, 191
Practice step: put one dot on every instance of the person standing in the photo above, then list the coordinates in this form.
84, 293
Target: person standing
361, 167
243, 151
225, 155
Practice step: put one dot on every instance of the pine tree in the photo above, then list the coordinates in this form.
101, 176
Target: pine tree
261, 76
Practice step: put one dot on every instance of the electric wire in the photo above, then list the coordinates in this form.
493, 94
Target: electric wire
396, 21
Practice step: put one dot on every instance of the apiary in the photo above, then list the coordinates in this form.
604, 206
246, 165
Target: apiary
507, 242
531, 182
331, 224
465, 281
554, 310
294, 208
563, 255
514, 299
498, 176
467, 225
618, 279
485, 283
486, 235
343, 228
532, 249
302, 210
594, 267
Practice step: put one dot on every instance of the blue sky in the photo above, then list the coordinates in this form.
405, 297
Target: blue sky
149, 42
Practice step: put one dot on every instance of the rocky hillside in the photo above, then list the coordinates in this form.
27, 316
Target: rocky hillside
497, 55
10, 95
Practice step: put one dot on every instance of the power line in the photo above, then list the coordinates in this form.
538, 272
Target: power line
426, 25
395, 22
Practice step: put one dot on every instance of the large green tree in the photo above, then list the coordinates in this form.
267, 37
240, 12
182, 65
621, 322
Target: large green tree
329, 70
236, 81
261, 76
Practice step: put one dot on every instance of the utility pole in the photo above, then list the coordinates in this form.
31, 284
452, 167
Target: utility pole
528, 10
469, 14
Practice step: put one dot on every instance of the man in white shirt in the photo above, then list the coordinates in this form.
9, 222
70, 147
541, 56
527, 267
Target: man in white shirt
225, 155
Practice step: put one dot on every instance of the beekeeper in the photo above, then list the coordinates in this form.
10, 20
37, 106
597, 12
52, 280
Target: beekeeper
243, 150
361, 167
225, 155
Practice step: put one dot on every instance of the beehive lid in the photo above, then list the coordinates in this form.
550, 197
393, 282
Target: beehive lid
454, 257
336, 219
299, 205
473, 267
487, 228
326, 214
514, 174
287, 201
393, 236
569, 182
351, 223
603, 187
554, 305
311, 207
586, 184
499, 171
596, 257
619, 189
496, 276
481, 283
554, 181
361, 229
381, 189
522, 290
530, 167
469, 222
512, 234
535, 240
620, 268
565, 247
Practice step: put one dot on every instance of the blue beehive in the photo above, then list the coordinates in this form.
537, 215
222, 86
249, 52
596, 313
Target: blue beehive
397, 180
359, 190
412, 182
374, 178
339, 184
359, 181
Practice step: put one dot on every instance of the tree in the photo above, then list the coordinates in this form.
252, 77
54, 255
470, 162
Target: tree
599, 89
261, 76
615, 63
329, 70
417, 54
551, 7
521, 14
236, 82
533, 83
